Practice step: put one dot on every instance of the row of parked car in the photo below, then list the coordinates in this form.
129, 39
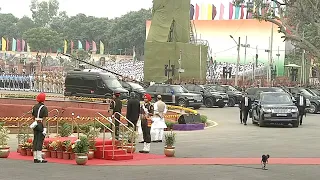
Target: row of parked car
102, 85
311, 94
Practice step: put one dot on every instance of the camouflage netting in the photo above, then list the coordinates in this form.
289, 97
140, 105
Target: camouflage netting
158, 54
172, 17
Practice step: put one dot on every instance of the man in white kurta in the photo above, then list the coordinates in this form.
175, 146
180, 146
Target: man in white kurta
158, 124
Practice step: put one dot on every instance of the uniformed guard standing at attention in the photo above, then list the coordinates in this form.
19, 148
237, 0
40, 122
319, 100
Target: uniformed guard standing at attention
39, 113
146, 122
116, 106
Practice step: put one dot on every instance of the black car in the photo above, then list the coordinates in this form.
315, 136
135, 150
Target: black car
217, 89
274, 108
210, 97
254, 92
234, 95
134, 87
175, 95
93, 84
311, 97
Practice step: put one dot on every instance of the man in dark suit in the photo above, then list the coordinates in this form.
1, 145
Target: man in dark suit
240, 108
245, 107
301, 103
133, 110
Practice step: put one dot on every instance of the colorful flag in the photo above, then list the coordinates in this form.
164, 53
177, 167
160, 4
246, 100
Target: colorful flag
65, 48
210, 12
221, 11
28, 48
71, 46
191, 12
230, 10
4, 44
94, 46
23, 46
18, 45
214, 12
101, 47
237, 13
197, 12
204, 14
8, 44
14, 44
79, 45
242, 12
87, 46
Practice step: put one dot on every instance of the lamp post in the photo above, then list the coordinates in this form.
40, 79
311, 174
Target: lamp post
238, 59
246, 45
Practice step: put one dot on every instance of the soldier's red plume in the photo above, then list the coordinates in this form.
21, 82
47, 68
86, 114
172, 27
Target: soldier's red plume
148, 96
41, 97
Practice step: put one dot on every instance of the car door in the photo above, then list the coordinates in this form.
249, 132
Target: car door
167, 94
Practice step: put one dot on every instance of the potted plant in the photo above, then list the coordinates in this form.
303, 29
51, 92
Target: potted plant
81, 149
4, 137
72, 154
23, 150
65, 129
170, 139
67, 148
91, 132
54, 147
23, 137
29, 147
59, 149
45, 151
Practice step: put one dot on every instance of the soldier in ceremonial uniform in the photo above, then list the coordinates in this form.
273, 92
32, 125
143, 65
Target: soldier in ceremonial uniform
116, 106
39, 113
146, 122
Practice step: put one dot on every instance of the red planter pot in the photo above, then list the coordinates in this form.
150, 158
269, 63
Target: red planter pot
66, 155
19, 148
47, 153
23, 152
72, 156
59, 154
53, 154
29, 152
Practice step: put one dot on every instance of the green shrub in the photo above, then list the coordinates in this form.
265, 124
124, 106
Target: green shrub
65, 129
170, 124
82, 146
203, 119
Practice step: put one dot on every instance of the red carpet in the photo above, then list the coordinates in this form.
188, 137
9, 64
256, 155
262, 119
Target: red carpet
152, 159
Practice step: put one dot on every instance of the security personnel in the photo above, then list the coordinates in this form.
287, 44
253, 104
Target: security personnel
245, 107
1, 80
116, 106
133, 110
301, 104
147, 111
39, 113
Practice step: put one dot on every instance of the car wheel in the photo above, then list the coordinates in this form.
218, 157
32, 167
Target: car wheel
313, 108
208, 103
221, 105
196, 107
261, 123
182, 102
295, 124
231, 102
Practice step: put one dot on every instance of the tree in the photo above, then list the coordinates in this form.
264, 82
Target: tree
43, 12
297, 20
129, 31
43, 39
8, 25
24, 24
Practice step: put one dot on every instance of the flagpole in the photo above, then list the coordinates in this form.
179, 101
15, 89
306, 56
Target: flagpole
200, 59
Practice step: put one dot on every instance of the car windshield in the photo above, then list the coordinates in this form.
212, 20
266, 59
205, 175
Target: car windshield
311, 92
216, 88
307, 93
315, 91
135, 86
232, 88
179, 89
112, 83
276, 98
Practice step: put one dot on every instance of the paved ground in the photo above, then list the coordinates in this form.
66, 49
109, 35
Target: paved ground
228, 139
16, 170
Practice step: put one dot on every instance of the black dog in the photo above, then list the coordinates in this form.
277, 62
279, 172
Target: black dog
264, 161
